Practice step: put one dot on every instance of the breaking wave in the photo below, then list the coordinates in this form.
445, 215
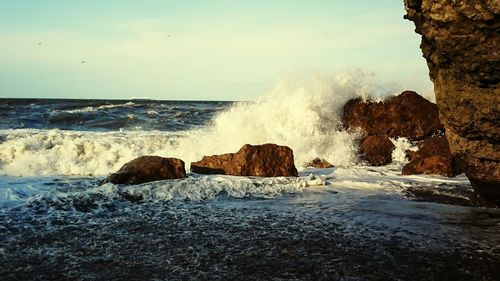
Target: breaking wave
303, 116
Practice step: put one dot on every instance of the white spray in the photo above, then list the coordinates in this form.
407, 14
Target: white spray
305, 117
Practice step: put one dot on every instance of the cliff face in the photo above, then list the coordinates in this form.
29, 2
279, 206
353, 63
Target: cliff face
460, 41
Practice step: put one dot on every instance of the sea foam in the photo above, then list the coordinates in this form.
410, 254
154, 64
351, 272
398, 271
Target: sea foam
304, 116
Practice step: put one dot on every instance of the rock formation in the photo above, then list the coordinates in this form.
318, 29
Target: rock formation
148, 168
319, 163
430, 165
435, 145
460, 41
376, 150
267, 160
426, 161
407, 115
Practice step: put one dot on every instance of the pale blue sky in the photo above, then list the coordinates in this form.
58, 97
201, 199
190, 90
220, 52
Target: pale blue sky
210, 50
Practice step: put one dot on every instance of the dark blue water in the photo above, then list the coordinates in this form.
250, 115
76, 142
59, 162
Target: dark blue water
106, 115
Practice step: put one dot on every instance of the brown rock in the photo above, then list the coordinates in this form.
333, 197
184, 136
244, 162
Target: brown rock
460, 41
376, 150
148, 168
430, 165
319, 163
435, 145
484, 176
407, 115
267, 160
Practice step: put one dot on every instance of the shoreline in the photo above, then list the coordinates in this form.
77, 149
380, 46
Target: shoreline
247, 239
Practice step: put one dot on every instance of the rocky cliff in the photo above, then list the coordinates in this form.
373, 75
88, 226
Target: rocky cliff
460, 41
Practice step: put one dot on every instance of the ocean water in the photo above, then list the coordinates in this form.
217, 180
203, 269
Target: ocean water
351, 222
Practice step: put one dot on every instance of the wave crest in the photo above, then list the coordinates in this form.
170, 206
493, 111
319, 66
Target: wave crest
306, 117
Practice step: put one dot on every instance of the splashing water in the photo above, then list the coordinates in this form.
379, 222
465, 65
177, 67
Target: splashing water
305, 117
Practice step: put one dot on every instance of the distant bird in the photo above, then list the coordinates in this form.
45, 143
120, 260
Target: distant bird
39, 43
83, 61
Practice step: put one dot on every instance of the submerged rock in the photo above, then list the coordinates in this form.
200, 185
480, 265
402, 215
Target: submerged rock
460, 43
319, 163
408, 115
147, 169
267, 160
443, 194
376, 150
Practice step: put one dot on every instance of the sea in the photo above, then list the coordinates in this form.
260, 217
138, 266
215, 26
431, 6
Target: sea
349, 222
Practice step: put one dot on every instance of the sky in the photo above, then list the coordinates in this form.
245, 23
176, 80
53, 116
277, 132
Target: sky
198, 50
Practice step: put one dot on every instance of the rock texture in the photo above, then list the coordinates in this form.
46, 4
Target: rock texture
319, 163
376, 150
435, 145
407, 115
433, 157
460, 41
147, 169
430, 165
267, 160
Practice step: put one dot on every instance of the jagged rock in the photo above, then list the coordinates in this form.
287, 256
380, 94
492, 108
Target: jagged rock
148, 168
376, 150
267, 160
408, 115
421, 161
435, 145
460, 41
319, 163
430, 165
